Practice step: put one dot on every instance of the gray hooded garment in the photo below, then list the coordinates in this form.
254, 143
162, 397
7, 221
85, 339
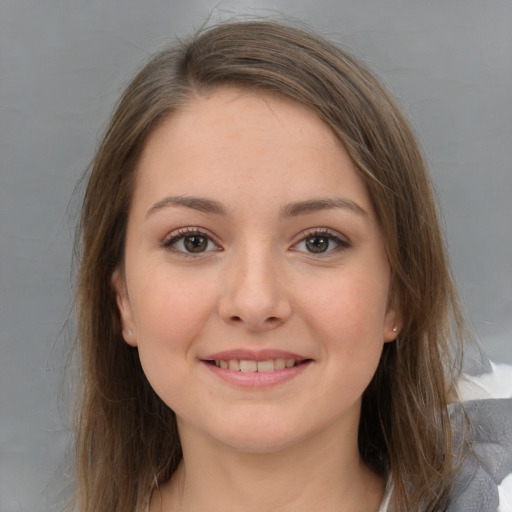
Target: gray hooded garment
488, 461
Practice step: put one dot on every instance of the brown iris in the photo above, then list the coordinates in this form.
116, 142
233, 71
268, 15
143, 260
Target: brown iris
195, 243
317, 244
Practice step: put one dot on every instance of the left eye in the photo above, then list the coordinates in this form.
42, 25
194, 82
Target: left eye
191, 243
319, 243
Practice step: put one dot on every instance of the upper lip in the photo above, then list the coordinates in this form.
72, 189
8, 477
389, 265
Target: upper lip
253, 355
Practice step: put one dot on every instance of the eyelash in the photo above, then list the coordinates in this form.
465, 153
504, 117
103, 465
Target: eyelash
331, 236
183, 233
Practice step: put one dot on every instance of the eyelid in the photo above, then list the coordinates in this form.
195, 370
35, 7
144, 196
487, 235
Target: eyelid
178, 234
342, 241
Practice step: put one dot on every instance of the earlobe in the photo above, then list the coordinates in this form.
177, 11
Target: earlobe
392, 325
124, 308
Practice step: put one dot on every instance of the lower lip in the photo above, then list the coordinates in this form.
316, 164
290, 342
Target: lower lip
257, 379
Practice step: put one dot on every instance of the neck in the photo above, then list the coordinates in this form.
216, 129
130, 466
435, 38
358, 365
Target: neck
323, 473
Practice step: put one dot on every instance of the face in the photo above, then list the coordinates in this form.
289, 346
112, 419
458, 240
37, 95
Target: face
255, 283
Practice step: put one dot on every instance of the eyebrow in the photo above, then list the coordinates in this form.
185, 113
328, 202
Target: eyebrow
324, 203
201, 204
294, 209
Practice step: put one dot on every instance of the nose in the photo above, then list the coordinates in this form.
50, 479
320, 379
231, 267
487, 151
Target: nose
254, 295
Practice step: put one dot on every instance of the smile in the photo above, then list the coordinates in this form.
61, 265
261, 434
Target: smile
250, 366
256, 369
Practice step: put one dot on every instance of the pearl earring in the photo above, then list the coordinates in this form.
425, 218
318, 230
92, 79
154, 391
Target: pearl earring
395, 328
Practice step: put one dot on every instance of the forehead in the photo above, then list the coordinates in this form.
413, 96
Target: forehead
244, 143
240, 115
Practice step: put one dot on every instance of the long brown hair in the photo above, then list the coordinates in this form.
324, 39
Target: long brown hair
126, 437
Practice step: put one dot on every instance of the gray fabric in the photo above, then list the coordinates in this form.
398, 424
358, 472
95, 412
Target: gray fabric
489, 459
475, 361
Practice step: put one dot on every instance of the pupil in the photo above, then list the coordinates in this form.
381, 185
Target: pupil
196, 243
317, 244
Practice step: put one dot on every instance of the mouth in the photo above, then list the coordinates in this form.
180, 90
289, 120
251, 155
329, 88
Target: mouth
252, 366
260, 369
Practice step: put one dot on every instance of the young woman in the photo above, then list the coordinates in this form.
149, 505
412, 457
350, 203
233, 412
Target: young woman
267, 319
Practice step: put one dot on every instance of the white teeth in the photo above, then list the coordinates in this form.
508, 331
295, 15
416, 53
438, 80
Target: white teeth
279, 364
234, 365
265, 366
248, 366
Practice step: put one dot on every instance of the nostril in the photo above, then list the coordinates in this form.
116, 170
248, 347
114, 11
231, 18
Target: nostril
271, 320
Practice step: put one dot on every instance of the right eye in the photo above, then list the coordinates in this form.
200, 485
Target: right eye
189, 242
321, 242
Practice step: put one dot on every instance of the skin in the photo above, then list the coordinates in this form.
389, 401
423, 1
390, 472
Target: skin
257, 285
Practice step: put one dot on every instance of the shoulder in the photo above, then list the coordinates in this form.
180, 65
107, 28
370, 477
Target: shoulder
484, 483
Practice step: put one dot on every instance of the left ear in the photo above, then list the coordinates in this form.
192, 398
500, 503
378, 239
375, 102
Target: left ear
124, 307
392, 323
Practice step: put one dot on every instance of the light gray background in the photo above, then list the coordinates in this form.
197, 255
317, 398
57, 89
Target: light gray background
62, 65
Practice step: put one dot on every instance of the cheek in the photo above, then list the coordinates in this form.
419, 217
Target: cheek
170, 311
349, 315
169, 317
350, 331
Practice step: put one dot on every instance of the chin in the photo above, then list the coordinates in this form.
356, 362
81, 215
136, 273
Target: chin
258, 437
